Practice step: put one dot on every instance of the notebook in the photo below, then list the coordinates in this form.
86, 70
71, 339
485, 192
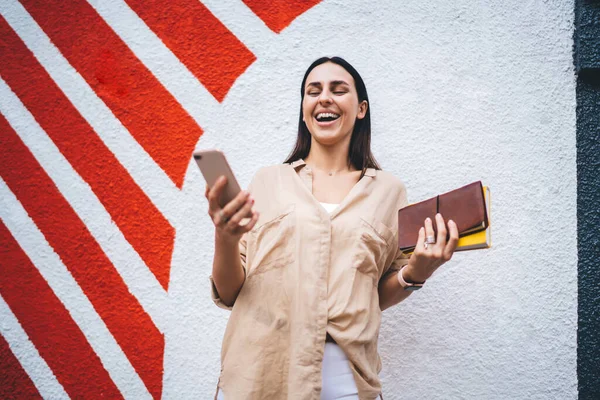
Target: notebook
468, 206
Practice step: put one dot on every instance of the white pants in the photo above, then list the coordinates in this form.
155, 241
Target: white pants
338, 381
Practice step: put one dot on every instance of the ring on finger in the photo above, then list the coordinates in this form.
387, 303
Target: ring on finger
222, 216
430, 239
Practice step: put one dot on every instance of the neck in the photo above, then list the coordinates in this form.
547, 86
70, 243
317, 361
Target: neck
328, 160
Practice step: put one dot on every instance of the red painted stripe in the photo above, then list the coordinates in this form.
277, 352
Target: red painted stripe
14, 381
49, 325
203, 44
150, 113
278, 14
130, 325
142, 224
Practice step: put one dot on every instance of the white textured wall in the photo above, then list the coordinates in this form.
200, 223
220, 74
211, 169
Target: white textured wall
460, 91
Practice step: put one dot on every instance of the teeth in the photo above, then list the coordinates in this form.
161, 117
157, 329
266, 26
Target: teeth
327, 115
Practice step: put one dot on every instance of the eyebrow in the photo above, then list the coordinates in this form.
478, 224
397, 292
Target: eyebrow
332, 82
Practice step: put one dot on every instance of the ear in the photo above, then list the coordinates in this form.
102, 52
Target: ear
362, 109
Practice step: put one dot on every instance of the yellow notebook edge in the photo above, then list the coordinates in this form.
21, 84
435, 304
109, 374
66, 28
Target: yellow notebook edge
481, 239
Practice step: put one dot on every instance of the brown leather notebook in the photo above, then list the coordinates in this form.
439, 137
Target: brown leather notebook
465, 206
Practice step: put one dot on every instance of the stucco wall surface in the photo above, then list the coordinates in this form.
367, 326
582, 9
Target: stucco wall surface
460, 91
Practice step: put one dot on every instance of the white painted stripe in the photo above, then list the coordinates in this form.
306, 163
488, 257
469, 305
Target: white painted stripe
62, 283
244, 24
28, 356
136, 275
146, 173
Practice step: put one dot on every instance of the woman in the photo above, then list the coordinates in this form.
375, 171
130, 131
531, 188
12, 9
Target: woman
318, 261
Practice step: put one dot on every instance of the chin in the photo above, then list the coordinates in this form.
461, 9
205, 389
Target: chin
329, 138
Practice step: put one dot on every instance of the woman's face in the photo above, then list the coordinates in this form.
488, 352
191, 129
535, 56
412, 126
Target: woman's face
330, 106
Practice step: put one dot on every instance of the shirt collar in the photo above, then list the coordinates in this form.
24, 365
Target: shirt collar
300, 162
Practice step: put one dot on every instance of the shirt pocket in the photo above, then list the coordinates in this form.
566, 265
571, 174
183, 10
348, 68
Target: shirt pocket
373, 242
272, 242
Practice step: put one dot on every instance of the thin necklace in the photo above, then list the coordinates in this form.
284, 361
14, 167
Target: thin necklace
331, 173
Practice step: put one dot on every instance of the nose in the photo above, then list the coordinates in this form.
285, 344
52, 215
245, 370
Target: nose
325, 97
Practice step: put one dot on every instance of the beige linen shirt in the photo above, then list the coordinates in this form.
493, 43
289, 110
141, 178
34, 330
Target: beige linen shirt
309, 272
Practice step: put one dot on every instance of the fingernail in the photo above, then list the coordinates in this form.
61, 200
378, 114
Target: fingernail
252, 201
438, 215
427, 219
450, 221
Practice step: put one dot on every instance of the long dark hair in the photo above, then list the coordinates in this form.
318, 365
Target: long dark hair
359, 153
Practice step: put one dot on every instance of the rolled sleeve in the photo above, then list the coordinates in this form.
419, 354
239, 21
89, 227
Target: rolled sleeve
400, 261
398, 257
215, 295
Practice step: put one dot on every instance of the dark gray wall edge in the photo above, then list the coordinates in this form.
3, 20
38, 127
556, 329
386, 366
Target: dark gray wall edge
587, 66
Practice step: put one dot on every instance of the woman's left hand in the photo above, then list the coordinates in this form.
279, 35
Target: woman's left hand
426, 258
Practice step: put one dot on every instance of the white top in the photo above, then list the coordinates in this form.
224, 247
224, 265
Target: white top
329, 206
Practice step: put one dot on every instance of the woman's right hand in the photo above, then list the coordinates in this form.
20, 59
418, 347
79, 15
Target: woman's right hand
227, 219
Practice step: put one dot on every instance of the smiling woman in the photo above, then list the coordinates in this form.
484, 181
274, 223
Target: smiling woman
307, 278
333, 88
330, 106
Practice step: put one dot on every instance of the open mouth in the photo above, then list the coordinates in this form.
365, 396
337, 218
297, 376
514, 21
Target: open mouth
326, 117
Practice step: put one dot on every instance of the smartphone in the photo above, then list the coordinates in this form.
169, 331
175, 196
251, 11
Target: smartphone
213, 164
